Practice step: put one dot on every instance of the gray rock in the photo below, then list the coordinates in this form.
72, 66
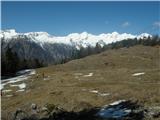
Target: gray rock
33, 106
153, 112
20, 115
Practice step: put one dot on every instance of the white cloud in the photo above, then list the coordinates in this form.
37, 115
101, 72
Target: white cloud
156, 24
126, 24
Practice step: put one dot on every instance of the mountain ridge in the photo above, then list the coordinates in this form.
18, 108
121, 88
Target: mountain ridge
83, 39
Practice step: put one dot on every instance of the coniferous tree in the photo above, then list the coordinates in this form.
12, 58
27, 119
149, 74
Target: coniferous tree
38, 64
12, 61
98, 48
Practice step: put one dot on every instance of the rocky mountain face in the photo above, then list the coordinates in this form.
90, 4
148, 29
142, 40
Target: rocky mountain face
28, 49
51, 49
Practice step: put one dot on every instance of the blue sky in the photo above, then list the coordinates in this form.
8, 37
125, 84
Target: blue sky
62, 18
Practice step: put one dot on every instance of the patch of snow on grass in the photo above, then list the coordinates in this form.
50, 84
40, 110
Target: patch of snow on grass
138, 74
23, 71
89, 75
6, 91
21, 90
15, 79
18, 79
97, 92
25, 76
21, 86
1, 86
32, 72
94, 91
9, 95
117, 102
104, 94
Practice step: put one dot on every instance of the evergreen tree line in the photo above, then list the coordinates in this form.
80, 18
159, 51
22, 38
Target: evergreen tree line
11, 63
83, 52
150, 41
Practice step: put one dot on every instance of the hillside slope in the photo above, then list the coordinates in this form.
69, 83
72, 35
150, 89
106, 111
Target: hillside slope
127, 73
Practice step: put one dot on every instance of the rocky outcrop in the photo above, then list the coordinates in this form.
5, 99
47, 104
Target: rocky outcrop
119, 110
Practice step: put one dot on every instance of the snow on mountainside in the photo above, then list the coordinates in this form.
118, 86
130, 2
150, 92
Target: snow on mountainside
8, 34
75, 39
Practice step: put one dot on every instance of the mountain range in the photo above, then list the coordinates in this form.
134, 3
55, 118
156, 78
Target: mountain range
49, 48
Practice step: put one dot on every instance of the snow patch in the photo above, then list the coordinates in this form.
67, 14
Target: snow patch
1, 86
21, 86
94, 91
89, 75
26, 74
9, 95
6, 91
23, 71
138, 74
21, 90
117, 102
115, 110
104, 94
32, 72
98, 93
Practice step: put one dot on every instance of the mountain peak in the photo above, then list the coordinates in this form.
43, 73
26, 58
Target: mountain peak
37, 33
144, 35
8, 34
115, 33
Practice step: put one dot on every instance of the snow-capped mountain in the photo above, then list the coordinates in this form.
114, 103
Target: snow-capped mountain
75, 39
49, 48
